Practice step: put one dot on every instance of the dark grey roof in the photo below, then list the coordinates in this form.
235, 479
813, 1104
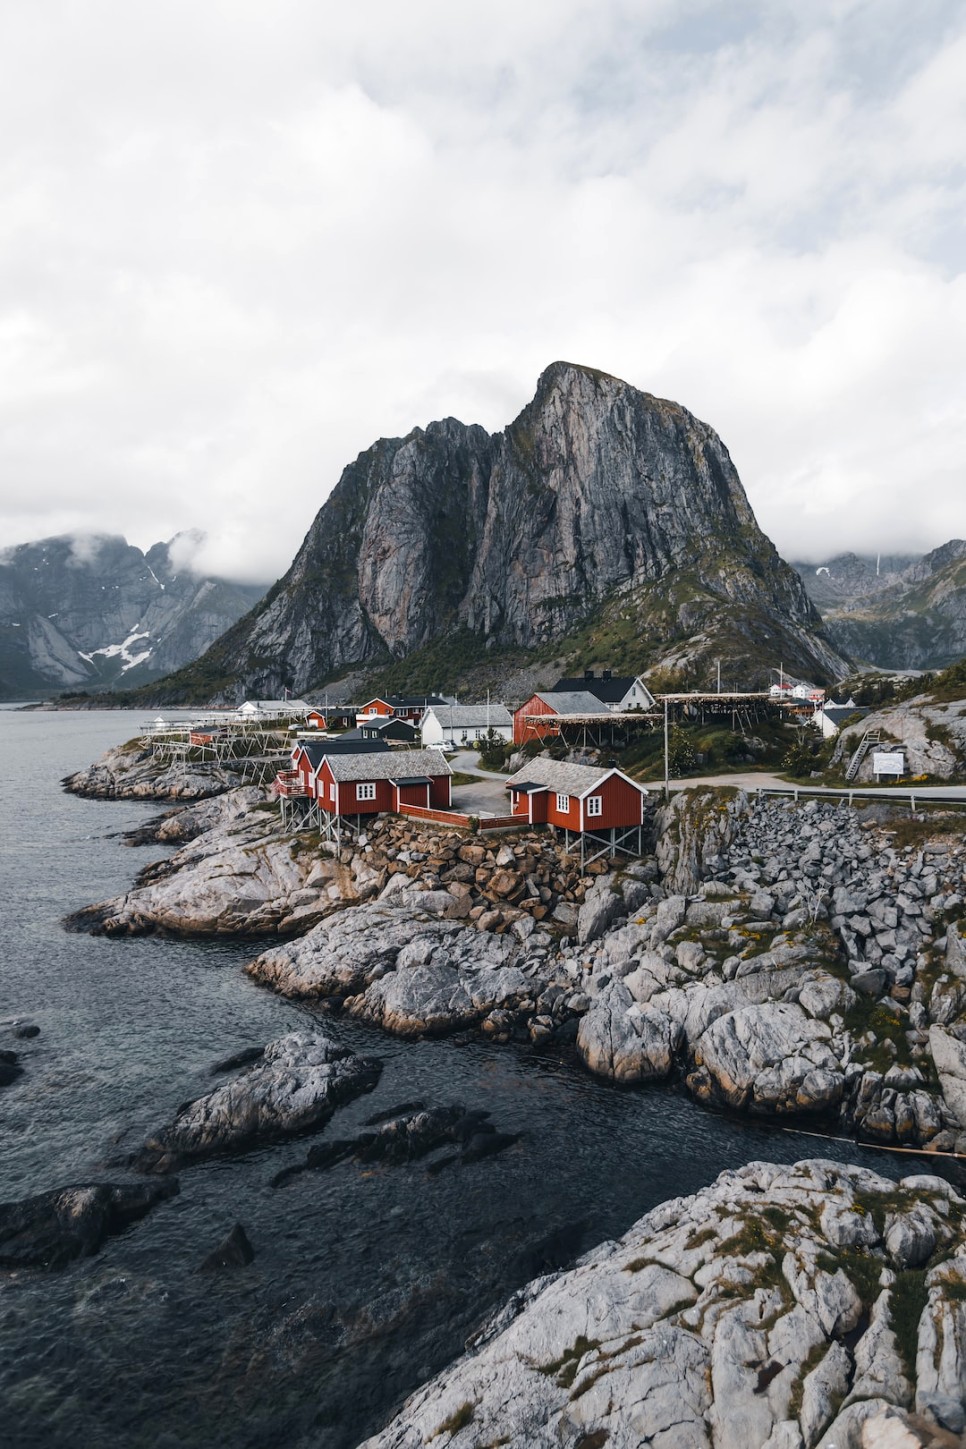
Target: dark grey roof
388, 765
838, 712
413, 780
608, 691
410, 701
547, 774
317, 750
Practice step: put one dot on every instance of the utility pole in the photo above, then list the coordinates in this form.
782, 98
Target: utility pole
667, 791
718, 662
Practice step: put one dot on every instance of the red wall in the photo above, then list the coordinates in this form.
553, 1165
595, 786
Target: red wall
623, 805
522, 731
440, 793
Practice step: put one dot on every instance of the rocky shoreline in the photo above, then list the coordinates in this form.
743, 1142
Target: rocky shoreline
792, 961
785, 960
780, 1308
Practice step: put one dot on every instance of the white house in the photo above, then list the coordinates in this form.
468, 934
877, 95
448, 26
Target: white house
449, 727
830, 717
259, 709
618, 692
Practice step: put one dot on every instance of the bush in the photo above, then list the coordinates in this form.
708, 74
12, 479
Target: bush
493, 751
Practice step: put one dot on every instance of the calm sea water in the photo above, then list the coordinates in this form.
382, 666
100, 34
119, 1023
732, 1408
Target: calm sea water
365, 1281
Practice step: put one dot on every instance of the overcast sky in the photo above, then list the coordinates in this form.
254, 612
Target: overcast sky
240, 241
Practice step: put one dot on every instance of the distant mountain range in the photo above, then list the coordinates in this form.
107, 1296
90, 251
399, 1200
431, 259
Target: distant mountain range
94, 612
900, 611
602, 526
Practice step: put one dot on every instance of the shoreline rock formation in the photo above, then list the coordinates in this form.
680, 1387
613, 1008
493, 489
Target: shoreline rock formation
780, 1308
787, 960
52, 1228
131, 771
295, 1087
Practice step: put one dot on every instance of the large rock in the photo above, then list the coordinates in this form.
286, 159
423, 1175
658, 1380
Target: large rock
244, 877
771, 1058
343, 954
620, 1039
411, 972
133, 772
51, 1228
949, 1057
727, 1319
295, 1088
692, 829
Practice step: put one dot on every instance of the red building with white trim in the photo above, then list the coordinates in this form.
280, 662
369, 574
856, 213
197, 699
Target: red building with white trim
374, 783
582, 798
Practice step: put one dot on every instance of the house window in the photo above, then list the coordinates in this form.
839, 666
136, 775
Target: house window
366, 792
595, 805
332, 791
563, 803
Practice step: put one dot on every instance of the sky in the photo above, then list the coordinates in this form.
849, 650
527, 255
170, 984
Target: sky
241, 241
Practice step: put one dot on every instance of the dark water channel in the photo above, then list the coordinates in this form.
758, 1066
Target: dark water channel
365, 1281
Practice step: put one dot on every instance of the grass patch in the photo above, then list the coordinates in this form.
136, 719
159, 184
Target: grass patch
564, 1369
908, 1299
862, 1269
459, 1419
867, 1015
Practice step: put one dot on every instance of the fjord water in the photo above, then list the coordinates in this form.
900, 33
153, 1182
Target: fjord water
365, 1281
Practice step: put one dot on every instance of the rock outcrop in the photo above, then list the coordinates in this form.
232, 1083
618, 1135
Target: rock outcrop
133, 772
52, 1228
408, 1134
815, 970
931, 732
294, 1088
241, 878
596, 497
781, 1306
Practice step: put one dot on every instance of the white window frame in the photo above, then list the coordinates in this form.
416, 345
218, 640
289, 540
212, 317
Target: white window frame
595, 806
366, 790
563, 804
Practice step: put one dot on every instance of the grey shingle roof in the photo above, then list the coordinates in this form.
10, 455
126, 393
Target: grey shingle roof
556, 775
396, 765
578, 701
472, 716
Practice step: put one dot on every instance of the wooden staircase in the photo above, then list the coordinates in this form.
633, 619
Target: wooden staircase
868, 742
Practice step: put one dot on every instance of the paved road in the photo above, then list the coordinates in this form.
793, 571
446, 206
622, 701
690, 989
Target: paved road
466, 762
755, 780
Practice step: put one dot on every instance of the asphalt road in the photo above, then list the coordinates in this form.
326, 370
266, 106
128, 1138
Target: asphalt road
466, 762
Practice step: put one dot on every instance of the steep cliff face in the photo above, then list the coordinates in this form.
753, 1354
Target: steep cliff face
907, 613
597, 498
79, 613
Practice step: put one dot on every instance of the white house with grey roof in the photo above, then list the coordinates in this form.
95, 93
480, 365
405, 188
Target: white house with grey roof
450, 727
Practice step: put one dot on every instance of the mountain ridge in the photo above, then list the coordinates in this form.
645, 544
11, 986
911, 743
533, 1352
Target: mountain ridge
89, 611
908, 614
601, 518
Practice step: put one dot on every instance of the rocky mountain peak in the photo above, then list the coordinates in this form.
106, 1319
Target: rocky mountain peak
594, 495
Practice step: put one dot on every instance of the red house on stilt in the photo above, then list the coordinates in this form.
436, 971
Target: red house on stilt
600, 805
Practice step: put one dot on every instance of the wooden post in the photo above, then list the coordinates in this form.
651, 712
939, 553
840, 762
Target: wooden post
667, 792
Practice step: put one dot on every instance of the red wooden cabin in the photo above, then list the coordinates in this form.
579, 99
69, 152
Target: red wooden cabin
582, 798
371, 784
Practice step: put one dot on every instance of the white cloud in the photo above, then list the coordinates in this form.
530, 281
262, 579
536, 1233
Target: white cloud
239, 243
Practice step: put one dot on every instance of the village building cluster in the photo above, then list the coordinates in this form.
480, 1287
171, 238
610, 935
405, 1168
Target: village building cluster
349, 762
